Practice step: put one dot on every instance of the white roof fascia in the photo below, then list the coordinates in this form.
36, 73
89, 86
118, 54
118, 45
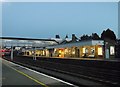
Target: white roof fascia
97, 42
82, 43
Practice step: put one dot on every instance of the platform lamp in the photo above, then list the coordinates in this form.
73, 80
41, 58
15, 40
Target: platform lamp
12, 52
34, 53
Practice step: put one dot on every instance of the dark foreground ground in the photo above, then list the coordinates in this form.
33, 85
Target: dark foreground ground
17, 76
79, 72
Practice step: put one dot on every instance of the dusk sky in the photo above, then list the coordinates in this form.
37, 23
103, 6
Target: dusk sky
46, 19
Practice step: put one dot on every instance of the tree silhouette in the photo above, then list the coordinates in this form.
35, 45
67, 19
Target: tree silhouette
108, 34
103, 34
95, 36
85, 37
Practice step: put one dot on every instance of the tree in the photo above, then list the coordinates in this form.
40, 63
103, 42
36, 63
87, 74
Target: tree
85, 37
103, 34
95, 36
57, 36
108, 34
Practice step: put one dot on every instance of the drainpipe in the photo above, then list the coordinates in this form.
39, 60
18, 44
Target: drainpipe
106, 50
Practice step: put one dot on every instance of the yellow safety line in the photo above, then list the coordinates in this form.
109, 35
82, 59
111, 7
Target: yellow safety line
30, 77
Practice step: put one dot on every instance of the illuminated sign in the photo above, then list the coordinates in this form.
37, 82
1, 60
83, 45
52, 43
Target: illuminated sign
112, 50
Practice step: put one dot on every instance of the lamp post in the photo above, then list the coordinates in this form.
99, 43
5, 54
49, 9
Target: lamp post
12, 52
34, 53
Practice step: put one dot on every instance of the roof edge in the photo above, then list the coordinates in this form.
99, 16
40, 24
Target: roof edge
18, 38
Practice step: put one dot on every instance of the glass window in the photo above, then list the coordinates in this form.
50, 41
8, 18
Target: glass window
92, 51
83, 50
86, 50
100, 51
112, 50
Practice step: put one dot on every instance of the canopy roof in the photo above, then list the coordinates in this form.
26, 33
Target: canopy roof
11, 41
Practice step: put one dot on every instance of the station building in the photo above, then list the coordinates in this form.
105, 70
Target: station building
81, 49
51, 48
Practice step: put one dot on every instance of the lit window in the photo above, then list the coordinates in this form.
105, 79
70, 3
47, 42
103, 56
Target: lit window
112, 50
86, 50
92, 50
73, 52
66, 51
43, 52
55, 50
100, 51
83, 50
59, 51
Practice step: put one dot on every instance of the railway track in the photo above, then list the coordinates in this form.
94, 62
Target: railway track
105, 75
